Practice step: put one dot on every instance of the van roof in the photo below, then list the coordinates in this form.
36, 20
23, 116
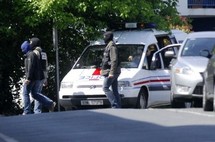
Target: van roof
134, 37
179, 35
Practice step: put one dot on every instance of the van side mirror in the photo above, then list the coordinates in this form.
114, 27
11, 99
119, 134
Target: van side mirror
169, 54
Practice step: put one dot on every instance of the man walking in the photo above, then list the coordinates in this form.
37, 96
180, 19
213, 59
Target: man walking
34, 75
44, 63
111, 71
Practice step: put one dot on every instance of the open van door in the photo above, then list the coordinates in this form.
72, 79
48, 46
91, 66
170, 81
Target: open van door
164, 56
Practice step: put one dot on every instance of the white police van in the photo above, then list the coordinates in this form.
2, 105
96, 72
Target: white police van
139, 86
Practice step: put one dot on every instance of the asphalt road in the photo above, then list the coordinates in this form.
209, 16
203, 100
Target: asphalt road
111, 125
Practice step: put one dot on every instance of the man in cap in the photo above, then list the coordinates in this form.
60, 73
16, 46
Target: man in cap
36, 45
34, 75
111, 71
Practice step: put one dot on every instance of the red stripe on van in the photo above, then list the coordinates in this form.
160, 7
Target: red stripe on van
97, 72
147, 81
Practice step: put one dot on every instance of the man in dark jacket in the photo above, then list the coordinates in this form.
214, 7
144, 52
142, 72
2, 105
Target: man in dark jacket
41, 54
34, 75
111, 71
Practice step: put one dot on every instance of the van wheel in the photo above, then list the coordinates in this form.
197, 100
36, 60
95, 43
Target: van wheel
142, 101
206, 104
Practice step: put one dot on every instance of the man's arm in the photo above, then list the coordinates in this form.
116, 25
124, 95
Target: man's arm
30, 67
114, 60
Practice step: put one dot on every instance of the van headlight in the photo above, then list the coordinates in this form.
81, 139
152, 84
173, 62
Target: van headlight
66, 85
124, 84
184, 70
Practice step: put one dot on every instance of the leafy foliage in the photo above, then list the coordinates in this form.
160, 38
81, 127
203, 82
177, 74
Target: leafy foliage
98, 13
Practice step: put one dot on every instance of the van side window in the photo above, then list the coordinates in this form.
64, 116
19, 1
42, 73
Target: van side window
130, 55
163, 41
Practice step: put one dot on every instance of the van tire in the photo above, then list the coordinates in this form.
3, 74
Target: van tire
142, 101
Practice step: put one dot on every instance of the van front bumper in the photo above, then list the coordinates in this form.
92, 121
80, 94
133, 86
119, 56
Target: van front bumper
69, 102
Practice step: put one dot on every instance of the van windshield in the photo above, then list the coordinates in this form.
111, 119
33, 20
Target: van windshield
129, 56
194, 47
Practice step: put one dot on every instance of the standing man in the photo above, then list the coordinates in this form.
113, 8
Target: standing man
34, 75
44, 64
111, 71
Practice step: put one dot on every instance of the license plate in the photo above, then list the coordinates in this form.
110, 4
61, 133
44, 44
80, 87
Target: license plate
91, 102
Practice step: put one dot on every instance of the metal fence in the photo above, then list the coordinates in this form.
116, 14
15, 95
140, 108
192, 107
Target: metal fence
201, 3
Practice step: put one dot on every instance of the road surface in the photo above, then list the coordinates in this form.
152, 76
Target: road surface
111, 125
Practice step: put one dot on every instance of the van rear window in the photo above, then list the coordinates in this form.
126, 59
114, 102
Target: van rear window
129, 56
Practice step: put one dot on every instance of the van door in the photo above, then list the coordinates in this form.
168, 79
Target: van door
158, 81
160, 70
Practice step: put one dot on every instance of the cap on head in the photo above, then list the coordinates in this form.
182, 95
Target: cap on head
25, 47
108, 36
35, 42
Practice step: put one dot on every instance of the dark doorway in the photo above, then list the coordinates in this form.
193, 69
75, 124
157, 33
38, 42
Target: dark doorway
203, 24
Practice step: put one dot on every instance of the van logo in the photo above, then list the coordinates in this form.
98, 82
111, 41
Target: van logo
92, 86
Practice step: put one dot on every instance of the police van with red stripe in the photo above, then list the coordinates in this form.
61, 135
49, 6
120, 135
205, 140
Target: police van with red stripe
140, 86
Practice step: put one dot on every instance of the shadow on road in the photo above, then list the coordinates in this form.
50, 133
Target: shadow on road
105, 125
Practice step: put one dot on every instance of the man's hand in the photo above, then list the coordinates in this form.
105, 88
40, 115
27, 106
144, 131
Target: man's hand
45, 84
110, 76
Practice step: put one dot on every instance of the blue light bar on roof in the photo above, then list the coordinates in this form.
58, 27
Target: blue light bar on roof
150, 25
